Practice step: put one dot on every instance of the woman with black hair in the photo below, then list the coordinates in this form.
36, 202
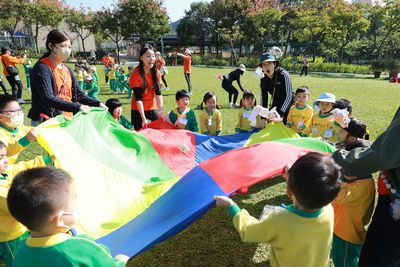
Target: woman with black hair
55, 89
145, 81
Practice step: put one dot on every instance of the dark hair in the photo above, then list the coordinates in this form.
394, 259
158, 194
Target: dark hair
55, 36
156, 82
5, 99
2, 145
112, 104
313, 179
247, 94
356, 129
303, 89
4, 50
35, 194
206, 97
180, 94
343, 104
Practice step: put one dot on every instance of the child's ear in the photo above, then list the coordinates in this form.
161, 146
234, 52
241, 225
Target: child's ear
57, 220
289, 191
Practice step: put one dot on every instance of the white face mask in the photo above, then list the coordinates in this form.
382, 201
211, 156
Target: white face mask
64, 52
16, 120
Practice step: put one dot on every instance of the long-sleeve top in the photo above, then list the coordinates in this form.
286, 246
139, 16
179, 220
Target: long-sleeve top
323, 126
234, 76
10, 61
280, 88
297, 238
184, 120
44, 97
242, 121
210, 123
298, 118
15, 140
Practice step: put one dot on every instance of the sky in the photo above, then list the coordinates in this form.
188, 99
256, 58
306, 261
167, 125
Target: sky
175, 8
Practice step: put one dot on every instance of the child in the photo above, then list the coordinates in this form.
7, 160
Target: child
130, 90
112, 77
90, 87
322, 123
80, 75
44, 201
183, 117
210, 117
299, 234
13, 132
160, 65
247, 103
27, 67
300, 114
122, 80
354, 204
115, 109
14, 232
93, 71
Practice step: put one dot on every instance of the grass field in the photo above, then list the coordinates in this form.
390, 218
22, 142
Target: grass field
212, 240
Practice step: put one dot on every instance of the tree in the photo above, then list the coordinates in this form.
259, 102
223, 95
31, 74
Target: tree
41, 13
195, 26
11, 13
346, 23
81, 23
145, 18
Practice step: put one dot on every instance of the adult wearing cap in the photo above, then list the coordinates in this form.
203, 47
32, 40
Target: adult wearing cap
187, 67
277, 83
227, 84
382, 243
55, 89
13, 79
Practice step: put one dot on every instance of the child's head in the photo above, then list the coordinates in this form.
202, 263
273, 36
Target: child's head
301, 96
210, 100
182, 98
344, 104
158, 55
121, 70
3, 157
43, 199
356, 129
114, 107
325, 102
130, 69
11, 114
313, 181
248, 99
29, 62
88, 78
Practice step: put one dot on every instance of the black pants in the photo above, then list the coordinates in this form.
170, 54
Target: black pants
15, 83
232, 91
3, 86
187, 77
304, 70
137, 119
382, 244
163, 80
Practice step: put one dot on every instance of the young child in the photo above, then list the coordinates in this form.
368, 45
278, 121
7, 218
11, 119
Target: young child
112, 77
322, 123
11, 231
247, 105
90, 87
93, 71
122, 83
300, 114
13, 132
115, 109
80, 75
183, 117
27, 67
44, 201
130, 90
210, 117
354, 204
299, 234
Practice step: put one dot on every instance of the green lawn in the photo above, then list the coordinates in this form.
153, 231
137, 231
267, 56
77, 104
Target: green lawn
212, 240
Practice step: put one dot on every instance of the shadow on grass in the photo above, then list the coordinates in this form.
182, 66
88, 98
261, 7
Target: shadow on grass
343, 76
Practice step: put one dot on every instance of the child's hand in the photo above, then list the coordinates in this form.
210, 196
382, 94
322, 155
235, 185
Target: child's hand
122, 258
223, 201
32, 135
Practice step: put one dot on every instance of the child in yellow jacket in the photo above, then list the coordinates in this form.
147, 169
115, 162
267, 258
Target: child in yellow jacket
300, 114
210, 117
11, 231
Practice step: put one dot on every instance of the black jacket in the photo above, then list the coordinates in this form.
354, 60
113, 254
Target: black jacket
282, 84
234, 76
44, 97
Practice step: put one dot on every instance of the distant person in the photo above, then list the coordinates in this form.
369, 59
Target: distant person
160, 65
306, 64
187, 67
13, 78
108, 61
3, 85
227, 84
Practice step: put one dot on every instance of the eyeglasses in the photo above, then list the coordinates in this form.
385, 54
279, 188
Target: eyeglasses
14, 111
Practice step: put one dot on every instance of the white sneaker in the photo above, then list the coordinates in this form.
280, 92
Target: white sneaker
230, 105
235, 105
166, 89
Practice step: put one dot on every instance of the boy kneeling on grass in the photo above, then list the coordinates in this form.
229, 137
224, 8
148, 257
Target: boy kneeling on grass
300, 234
44, 200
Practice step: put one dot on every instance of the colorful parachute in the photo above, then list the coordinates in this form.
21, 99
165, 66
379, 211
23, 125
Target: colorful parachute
135, 190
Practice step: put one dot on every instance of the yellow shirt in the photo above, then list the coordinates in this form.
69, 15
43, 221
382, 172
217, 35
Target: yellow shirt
14, 139
297, 238
323, 126
353, 209
10, 228
111, 73
210, 123
299, 119
243, 123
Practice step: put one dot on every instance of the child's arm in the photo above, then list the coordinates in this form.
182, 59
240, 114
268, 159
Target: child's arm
192, 122
39, 161
203, 120
250, 229
307, 121
180, 55
289, 121
218, 127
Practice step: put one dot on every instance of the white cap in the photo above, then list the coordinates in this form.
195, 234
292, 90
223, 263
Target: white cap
242, 67
326, 97
187, 51
88, 77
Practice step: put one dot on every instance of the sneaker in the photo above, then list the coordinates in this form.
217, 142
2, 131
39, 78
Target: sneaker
235, 105
230, 105
21, 101
166, 89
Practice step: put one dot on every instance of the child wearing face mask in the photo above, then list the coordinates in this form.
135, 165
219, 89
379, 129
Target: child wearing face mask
11, 231
13, 132
44, 200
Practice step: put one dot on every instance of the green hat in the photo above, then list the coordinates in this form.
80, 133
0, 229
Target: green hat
267, 57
